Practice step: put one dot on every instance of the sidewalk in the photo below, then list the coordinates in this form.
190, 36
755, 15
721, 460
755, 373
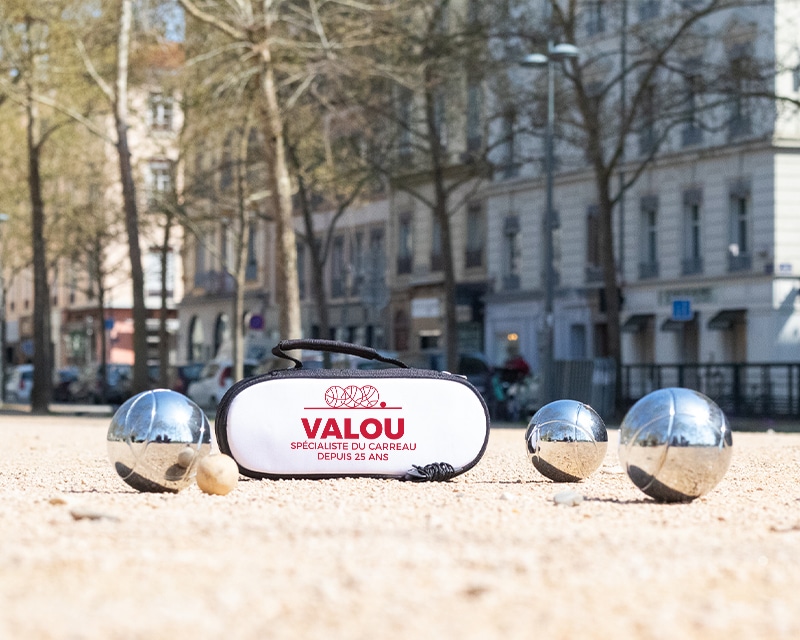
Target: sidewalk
487, 555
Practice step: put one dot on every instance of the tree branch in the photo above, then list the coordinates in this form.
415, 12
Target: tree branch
90, 68
215, 22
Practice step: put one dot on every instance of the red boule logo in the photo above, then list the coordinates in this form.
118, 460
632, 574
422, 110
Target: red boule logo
352, 397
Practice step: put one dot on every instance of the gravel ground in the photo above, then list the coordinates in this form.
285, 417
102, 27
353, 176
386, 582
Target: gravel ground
487, 555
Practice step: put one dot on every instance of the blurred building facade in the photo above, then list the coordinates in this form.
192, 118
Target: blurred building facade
706, 238
707, 246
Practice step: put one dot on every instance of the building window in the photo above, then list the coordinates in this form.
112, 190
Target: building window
474, 120
338, 268
594, 269
595, 17
405, 114
692, 233
476, 232
251, 268
222, 331
225, 248
742, 75
357, 263
374, 293
152, 273
648, 265
692, 133
649, 9
739, 250
473, 11
196, 346
405, 244
161, 112
159, 182
511, 250
647, 119
507, 159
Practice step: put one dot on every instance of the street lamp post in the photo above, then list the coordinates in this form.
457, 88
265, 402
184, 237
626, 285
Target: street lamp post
555, 53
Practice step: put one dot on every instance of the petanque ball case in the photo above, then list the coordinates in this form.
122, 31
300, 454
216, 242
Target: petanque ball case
397, 422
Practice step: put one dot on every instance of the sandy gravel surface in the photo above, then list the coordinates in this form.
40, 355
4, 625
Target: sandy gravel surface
488, 555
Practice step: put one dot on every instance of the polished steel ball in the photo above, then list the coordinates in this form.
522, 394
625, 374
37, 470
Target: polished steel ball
675, 444
567, 440
156, 440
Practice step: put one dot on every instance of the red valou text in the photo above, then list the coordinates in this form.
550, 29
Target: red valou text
369, 428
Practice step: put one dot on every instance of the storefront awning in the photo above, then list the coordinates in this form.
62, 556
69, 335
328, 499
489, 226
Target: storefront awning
672, 325
637, 323
726, 318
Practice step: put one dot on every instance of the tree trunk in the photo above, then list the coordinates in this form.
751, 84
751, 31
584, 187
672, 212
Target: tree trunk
281, 197
242, 247
441, 217
163, 333
101, 324
42, 365
140, 381
610, 284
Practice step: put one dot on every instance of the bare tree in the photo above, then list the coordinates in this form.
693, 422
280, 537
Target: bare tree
644, 88
256, 29
437, 54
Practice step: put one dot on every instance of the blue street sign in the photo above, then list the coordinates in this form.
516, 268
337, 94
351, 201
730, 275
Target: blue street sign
682, 310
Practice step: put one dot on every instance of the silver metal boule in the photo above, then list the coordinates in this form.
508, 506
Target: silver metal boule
148, 440
566, 440
675, 444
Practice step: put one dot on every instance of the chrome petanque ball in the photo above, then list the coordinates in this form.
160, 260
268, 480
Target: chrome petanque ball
675, 444
156, 440
567, 440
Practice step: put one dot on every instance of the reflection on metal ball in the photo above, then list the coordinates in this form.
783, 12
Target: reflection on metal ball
149, 437
567, 440
675, 444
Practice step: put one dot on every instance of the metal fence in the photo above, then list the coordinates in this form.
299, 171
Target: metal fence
746, 390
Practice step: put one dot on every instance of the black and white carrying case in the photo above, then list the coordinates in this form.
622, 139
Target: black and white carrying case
399, 422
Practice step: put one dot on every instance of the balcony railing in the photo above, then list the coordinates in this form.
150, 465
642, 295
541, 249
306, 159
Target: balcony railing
753, 389
741, 262
473, 258
594, 273
692, 266
511, 282
404, 264
648, 270
215, 282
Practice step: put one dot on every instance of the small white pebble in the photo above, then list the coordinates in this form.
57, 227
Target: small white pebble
506, 496
569, 498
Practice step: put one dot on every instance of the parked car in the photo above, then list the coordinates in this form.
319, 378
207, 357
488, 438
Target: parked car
215, 379
61, 382
89, 388
19, 382
185, 374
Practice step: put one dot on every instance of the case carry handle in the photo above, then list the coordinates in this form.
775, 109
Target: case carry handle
331, 346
